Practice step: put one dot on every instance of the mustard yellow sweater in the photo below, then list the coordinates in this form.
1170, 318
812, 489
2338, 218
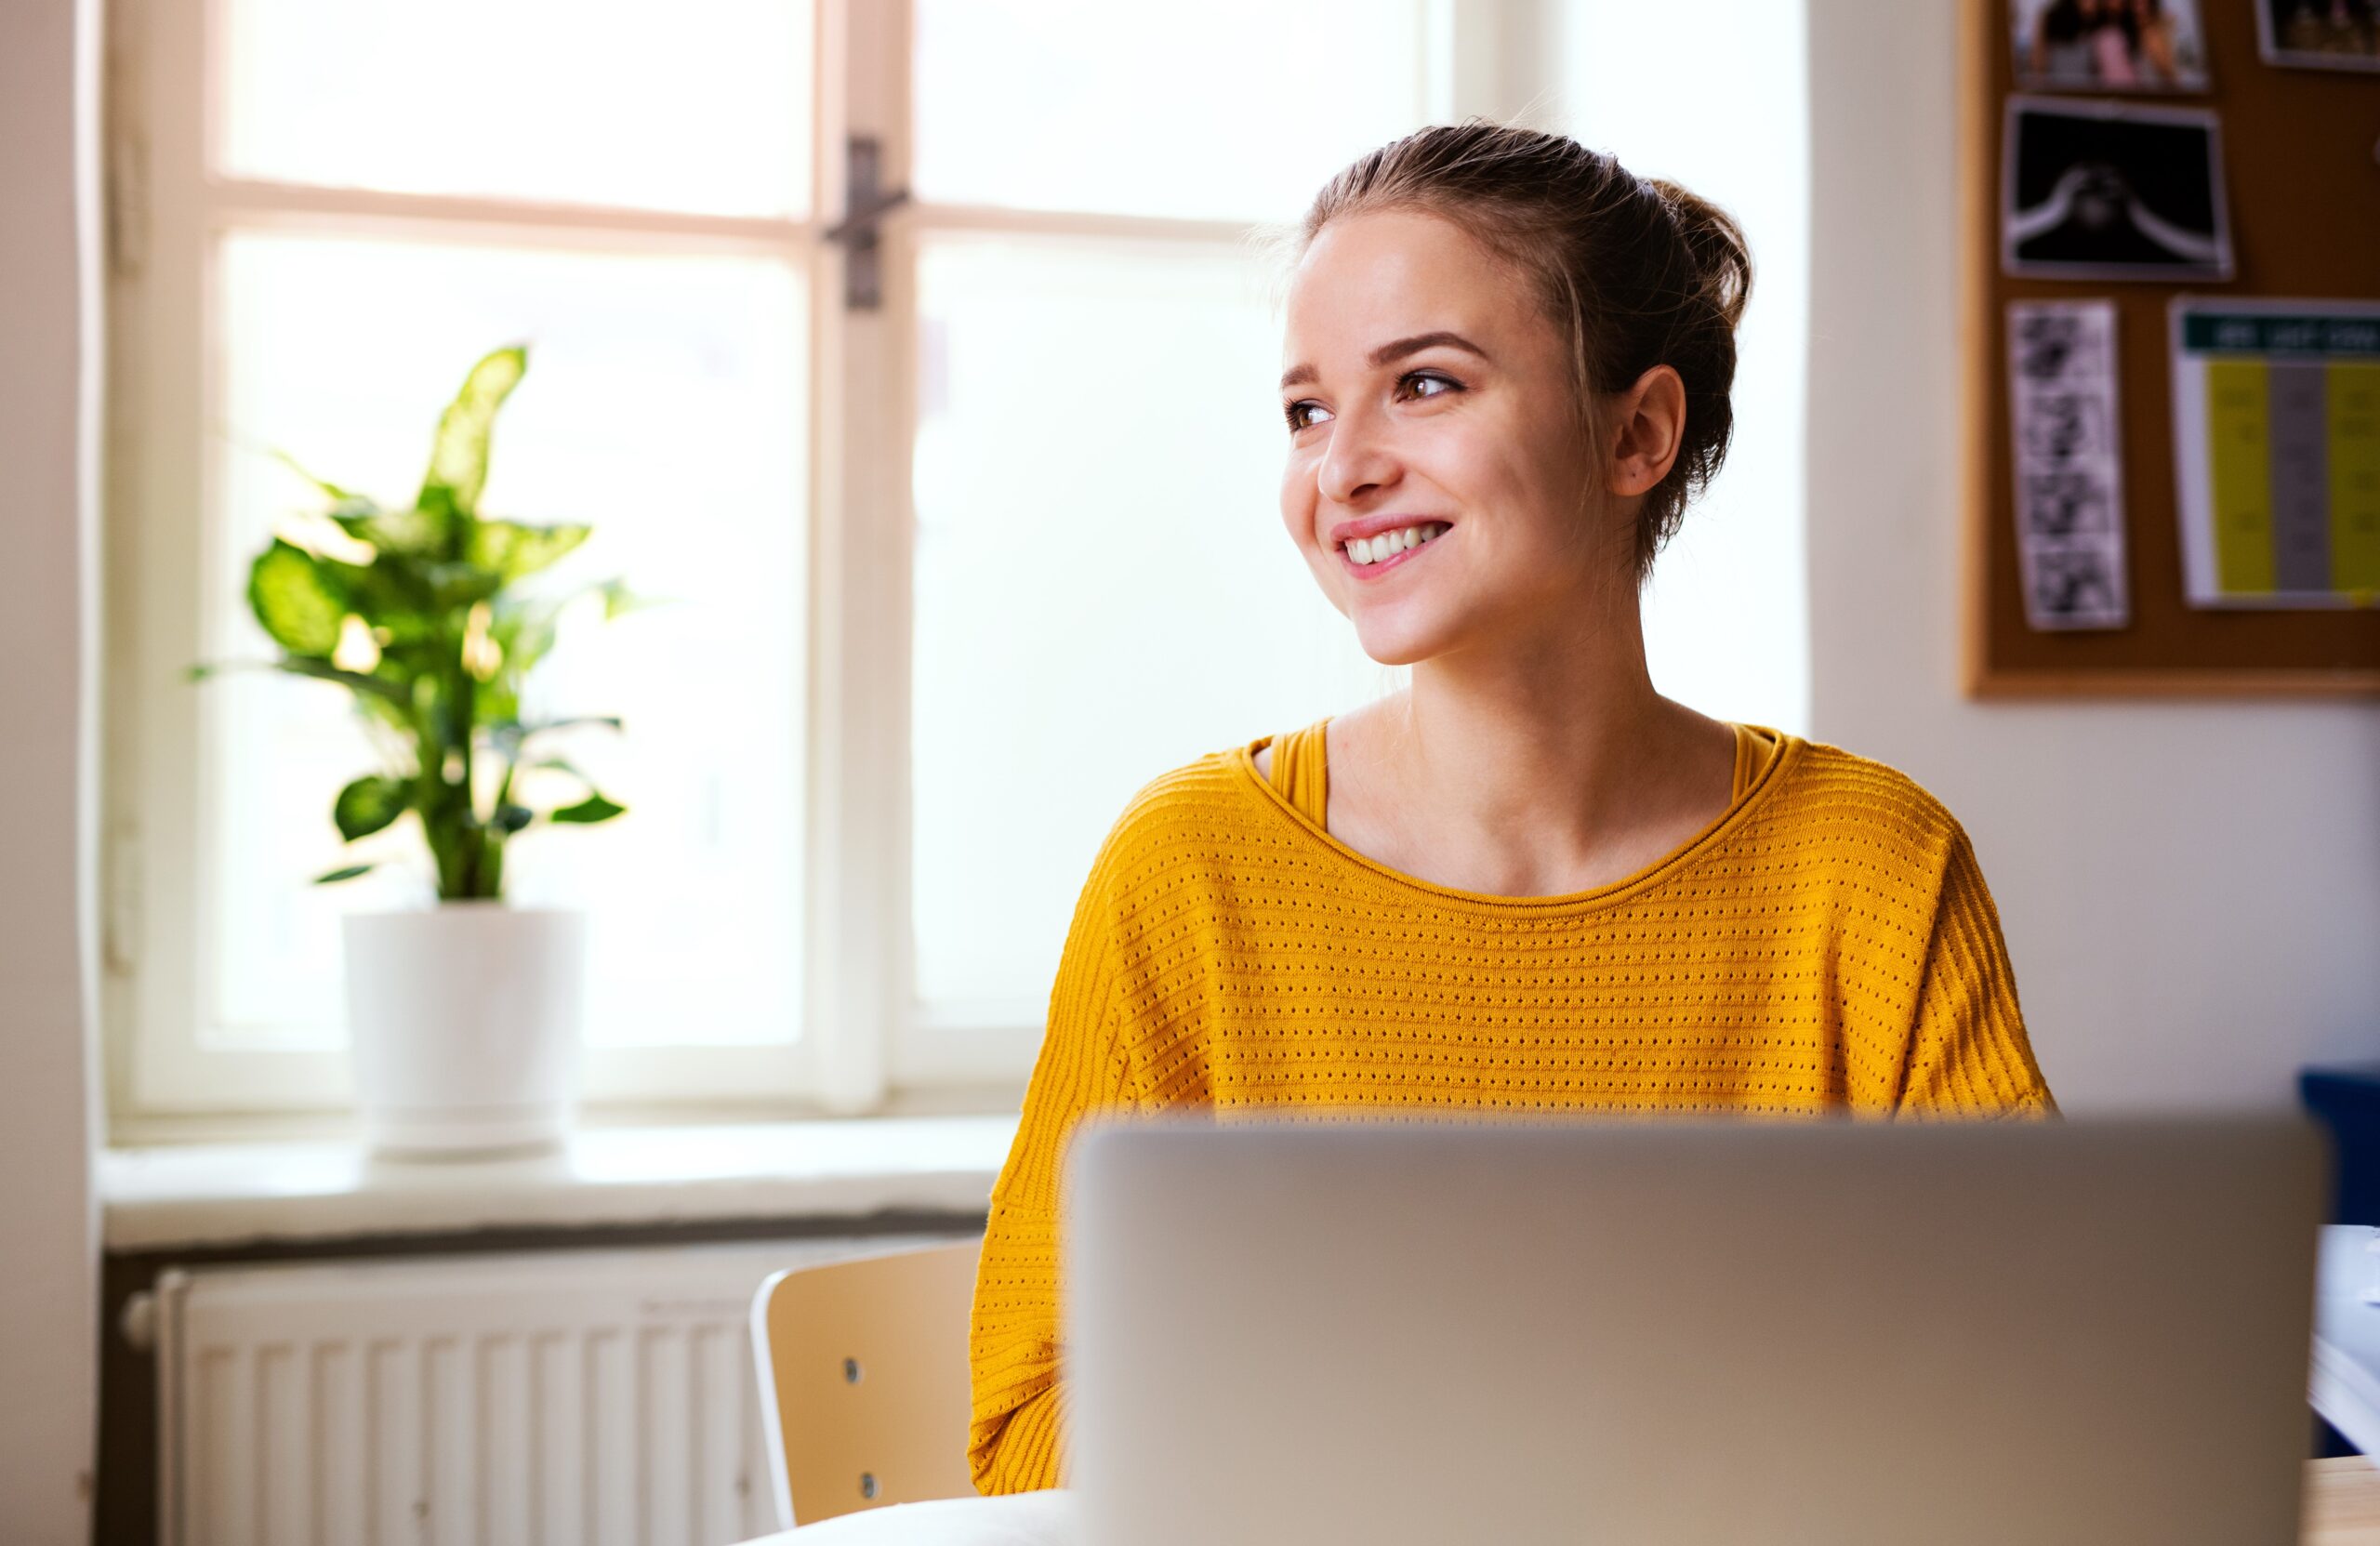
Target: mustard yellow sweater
1826, 944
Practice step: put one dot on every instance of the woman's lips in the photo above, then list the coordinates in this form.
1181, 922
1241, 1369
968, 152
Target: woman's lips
1380, 567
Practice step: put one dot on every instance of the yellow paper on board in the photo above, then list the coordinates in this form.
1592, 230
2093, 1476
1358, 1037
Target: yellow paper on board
2239, 435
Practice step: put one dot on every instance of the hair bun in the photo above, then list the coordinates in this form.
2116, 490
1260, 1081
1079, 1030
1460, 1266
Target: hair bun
1721, 256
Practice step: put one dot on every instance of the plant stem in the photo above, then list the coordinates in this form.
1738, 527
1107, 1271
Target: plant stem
474, 834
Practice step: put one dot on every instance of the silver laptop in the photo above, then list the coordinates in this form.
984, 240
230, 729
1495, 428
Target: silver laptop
1849, 1333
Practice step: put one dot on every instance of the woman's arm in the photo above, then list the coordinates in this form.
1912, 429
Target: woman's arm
1968, 1051
1015, 1435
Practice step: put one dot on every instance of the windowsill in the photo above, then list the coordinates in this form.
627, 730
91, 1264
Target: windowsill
303, 1189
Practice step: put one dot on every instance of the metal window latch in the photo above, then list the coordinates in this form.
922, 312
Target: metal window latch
866, 205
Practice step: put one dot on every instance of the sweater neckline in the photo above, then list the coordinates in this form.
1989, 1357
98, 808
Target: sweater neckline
1789, 750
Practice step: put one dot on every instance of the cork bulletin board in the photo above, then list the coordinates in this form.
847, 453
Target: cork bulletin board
2298, 181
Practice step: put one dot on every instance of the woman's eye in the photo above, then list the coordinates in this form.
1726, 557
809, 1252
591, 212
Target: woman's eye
1303, 414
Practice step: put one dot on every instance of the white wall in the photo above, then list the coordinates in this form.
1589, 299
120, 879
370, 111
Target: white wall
48, 349
2190, 890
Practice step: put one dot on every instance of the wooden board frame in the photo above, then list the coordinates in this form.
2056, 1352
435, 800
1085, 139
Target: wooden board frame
2304, 193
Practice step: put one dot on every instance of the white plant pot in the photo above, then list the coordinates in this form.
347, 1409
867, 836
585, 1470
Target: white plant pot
464, 1023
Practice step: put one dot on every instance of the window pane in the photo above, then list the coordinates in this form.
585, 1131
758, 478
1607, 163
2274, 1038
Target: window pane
665, 404
1231, 109
704, 106
1103, 587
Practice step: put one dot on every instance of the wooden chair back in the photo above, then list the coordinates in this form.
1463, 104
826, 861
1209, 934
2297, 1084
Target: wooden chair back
863, 1381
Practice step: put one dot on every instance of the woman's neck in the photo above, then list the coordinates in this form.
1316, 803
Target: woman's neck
1542, 770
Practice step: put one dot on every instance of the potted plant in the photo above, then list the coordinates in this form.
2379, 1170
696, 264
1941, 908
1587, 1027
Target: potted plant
464, 1017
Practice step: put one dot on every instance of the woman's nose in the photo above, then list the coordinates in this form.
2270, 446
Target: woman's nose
1360, 458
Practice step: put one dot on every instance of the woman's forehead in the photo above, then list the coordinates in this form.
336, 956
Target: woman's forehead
1387, 274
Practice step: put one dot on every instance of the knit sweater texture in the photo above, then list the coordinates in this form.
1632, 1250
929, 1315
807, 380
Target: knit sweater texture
1826, 944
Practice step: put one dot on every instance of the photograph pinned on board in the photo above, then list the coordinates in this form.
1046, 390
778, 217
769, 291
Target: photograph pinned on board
2319, 34
2062, 381
2107, 45
2112, 191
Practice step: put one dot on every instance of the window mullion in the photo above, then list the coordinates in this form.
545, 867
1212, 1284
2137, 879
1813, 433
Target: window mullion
250, 203
161, 334
859, 911
1090, 225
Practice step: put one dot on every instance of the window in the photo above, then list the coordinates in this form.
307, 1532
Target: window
950, 575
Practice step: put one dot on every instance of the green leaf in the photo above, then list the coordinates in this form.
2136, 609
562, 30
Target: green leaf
524, 629
297, 599
455, 586
390, 710
404, 534
509, 734
345, 496
619, 600
458, 457
367, 805
371, 689
348, 873
495, 700
594, 808
354, 681
527, 627
391, 595
511, 818
514, 551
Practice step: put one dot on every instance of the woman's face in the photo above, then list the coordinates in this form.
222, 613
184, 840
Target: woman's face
1424, 388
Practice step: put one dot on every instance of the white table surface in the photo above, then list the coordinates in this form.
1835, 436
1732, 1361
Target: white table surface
1014, 1519
2346, 1381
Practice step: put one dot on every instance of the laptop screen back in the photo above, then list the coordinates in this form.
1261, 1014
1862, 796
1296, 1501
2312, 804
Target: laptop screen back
1385, 1332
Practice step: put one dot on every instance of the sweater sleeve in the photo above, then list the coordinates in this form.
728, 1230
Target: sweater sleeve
1968, 1052
1017, 1425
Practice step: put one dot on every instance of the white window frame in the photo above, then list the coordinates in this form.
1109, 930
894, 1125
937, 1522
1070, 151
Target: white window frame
865, 1044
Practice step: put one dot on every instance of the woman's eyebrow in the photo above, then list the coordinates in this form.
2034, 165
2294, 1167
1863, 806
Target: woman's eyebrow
1421, 341
1299, 374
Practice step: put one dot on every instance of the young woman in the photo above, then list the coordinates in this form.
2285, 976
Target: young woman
1529, 884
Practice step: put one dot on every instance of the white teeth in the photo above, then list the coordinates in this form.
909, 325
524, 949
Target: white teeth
1390, 543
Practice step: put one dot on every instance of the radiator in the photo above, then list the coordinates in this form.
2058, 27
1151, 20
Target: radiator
598, 1398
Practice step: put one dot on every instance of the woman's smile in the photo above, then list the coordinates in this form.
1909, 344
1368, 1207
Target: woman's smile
1429, 534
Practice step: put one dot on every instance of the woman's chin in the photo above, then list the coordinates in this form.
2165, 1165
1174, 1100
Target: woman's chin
1400, 645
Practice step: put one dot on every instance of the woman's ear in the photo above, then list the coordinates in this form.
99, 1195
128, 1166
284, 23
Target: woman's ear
1650, 418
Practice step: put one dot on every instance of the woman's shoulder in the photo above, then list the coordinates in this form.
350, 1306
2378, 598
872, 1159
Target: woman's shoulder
1203, 800
1848, 802
1869, 848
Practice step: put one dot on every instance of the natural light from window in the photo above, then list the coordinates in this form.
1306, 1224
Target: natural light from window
1104, 590
1081, 341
